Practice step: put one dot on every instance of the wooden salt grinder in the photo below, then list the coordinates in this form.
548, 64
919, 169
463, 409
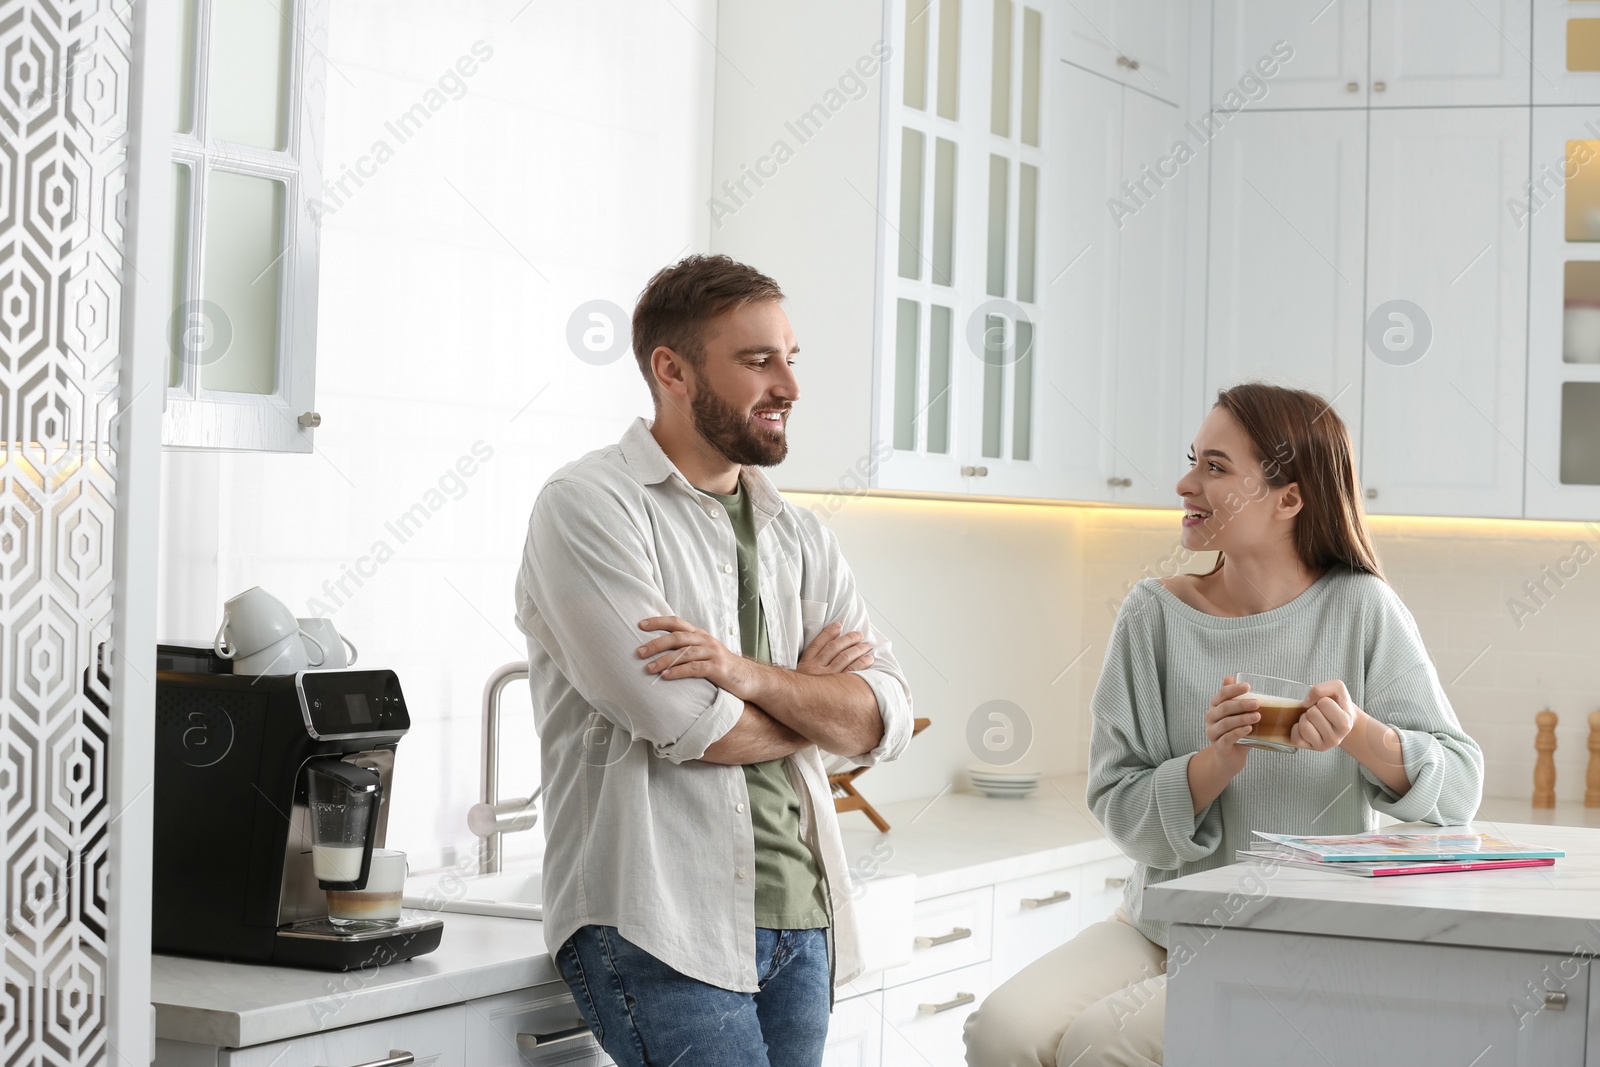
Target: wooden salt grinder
1544, 765
1591, 794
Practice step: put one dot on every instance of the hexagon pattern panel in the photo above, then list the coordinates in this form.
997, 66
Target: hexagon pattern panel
63, 114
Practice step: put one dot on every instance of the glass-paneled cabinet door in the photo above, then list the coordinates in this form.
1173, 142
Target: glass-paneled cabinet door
1566, 52
1563, 404
246, 167
963, 316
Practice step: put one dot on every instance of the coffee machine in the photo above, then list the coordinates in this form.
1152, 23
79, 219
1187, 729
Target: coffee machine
243, 766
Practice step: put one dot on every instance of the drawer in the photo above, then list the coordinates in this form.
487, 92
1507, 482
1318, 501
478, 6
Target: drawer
855, 1033
950, 931
433, 1037
1102, 888
535, 1026
1033, 915
922, 1020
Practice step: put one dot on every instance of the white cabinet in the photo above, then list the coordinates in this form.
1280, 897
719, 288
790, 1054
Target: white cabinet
922, 1020
1423, 53
1438, 53
855, 1033
1273, 998
1329, 68
1443, 426
1143, 44
1103, 884
1566, 52
1286, 249
1033, 915
951, 931
435, 1038
1563, 443
529, 1028
1157, 406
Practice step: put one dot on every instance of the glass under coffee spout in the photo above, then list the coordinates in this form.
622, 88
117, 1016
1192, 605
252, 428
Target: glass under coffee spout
343, 799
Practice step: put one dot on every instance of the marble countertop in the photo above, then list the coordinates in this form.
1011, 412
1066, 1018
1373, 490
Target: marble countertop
211, 1002
958, 841
1545, 909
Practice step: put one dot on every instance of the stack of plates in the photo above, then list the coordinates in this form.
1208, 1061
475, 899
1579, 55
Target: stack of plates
1002, 782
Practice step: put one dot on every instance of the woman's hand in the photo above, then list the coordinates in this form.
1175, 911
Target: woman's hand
1232, 716
832, 652
1328, 720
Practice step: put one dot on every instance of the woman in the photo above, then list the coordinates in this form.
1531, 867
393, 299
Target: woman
1296, 592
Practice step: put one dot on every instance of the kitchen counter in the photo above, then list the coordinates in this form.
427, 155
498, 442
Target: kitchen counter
1542, 909
958, 841
210, 1002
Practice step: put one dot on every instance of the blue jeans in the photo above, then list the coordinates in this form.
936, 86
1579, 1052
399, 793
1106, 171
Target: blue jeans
645, 1014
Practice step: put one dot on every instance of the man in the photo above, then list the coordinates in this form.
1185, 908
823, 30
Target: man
696, 894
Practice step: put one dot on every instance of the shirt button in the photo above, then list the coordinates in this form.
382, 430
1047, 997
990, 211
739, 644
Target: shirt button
727, 568
741, 873
739, 808
712, 513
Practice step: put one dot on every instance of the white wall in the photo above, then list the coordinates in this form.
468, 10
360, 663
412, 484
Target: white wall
573, 164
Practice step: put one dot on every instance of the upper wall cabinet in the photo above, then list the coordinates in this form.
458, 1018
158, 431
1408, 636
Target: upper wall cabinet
1329, 68
246, 170
1287, 240
1143, 44
1439, 53
1563, 478
1446, 312
1566, 52
1422, 52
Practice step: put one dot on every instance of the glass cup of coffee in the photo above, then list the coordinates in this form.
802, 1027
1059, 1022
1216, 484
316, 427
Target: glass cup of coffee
1283, 701
379, 902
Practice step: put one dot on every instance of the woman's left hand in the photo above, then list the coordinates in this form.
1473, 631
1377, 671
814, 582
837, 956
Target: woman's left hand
1329, 718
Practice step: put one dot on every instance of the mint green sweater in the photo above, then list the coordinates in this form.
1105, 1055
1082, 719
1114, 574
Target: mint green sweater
1166, 661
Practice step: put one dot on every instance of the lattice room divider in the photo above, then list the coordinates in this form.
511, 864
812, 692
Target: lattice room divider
64, 92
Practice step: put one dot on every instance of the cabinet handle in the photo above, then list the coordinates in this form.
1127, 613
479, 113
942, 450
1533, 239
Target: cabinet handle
529, 1042
1372, 494
1040, 902
1555, 1001
396, 1058
1120, 483
954, 1002
1378, 87
1116, 883
1124, 61
1352, 87
974, 472
310, 420
960, 933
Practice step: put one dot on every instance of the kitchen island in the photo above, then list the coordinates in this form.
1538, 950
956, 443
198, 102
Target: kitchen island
1270, 964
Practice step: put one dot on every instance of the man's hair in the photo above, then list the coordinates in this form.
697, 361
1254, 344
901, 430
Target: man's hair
682, 298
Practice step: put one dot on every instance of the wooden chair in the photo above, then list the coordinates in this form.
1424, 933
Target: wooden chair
845, 796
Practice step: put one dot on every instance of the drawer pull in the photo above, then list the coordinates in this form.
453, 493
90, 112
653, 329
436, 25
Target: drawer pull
1041, 902
1554, 1001
960, 933
529, 1042
1116, 883
955, 1002
396, 1058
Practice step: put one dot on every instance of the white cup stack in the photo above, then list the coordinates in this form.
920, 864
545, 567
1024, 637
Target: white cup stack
1002, 782
261, 636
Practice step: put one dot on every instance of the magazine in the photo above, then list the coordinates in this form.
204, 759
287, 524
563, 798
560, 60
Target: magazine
1386, 868
1370, 848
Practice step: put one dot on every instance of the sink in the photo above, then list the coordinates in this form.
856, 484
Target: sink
515, 894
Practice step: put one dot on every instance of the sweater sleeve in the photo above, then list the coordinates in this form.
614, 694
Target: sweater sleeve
1138, 789
1402, 690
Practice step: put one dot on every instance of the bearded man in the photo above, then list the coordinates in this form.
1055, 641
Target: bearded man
695, 642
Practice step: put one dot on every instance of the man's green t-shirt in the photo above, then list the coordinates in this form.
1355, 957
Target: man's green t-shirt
789, 893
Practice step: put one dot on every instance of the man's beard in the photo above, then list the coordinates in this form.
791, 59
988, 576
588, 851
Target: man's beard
732, 434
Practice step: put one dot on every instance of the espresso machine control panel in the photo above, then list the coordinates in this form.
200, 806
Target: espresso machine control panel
341, 705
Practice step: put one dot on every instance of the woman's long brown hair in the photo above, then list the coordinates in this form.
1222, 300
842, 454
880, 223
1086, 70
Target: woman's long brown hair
1298, 437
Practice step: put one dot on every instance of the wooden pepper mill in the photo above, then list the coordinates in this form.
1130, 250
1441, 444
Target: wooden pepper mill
1591, 794
1544, 765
